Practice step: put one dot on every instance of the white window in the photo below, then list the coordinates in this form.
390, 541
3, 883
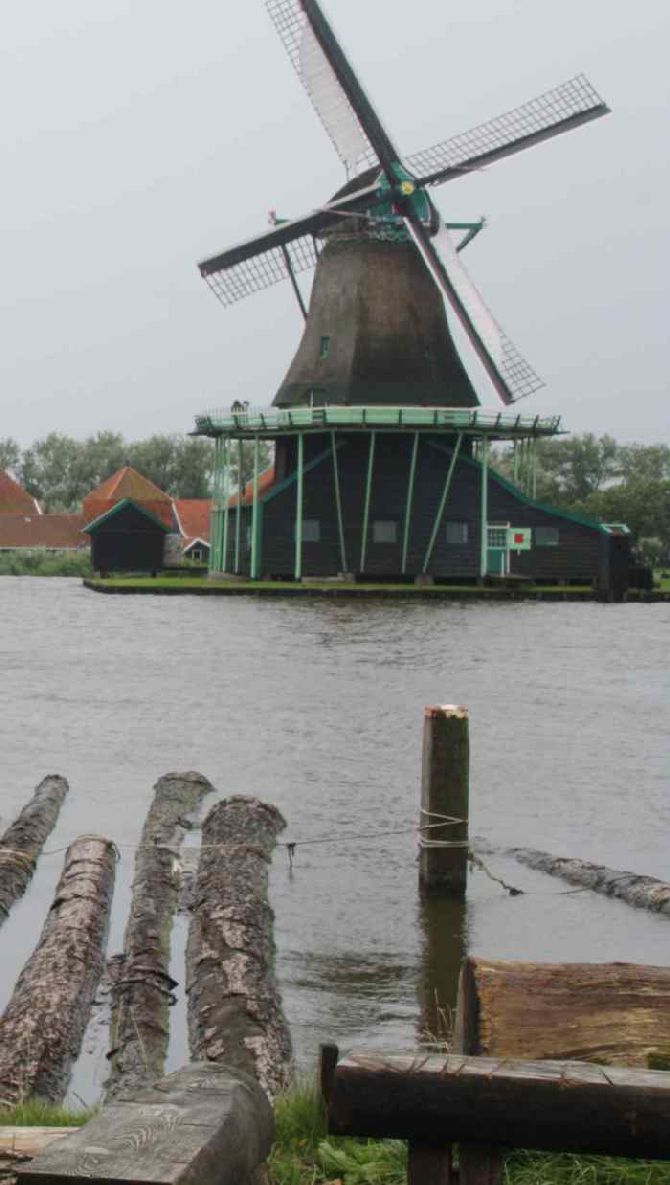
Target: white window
458, 534
384, 531
497, 537
546, 537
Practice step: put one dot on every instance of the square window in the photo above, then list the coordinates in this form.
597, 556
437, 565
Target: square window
311, 530
546, 536
497, 537
458, 534
384, 531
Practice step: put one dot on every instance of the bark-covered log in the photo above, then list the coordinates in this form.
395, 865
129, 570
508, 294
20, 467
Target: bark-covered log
611, 1013
644, 892
234, 1009
43, 1026
141, 984
25, 837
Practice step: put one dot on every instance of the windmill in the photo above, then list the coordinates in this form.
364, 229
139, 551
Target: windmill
377, 377
388, 188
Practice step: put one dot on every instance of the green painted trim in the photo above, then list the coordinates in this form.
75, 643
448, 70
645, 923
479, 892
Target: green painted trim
238, 516
299, 507
226, 510
254, 514
484, 516
277, 421
368, 491
281, 486
338, 503
409, 501
443, 501
569, 515
102, 518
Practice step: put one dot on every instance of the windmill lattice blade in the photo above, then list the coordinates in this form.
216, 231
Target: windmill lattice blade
558, 110
512, 376
261, 262
322, 85
260, 271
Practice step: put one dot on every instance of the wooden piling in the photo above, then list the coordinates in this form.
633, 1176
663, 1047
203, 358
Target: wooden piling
445, 789
234, 1008
43, 1025
23, 840
141, 984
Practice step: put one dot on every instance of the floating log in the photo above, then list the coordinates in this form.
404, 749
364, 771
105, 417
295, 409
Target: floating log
24, 839
234, 1009
206, 1124
610, 1013
545, 1105
43, 1025
644, 892
141, 985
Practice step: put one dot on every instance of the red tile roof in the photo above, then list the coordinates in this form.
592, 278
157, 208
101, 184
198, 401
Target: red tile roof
193, 517
59, 532
127, 483
266, 481
14, 499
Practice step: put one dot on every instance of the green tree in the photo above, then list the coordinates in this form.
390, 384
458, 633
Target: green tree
180, 465
49, 471
10, 455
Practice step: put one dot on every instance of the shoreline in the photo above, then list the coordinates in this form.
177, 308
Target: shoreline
182, 586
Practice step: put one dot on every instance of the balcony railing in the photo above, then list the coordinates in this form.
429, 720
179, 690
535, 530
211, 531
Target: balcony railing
242, 420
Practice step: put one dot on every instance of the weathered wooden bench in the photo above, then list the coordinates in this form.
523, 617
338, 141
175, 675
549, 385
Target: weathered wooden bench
486, 1104
204, 1125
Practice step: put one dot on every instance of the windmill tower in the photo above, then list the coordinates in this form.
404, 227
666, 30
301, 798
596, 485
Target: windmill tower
381, 454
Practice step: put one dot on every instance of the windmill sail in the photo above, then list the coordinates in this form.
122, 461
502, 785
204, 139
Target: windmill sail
512, 376
558, 110
322, 85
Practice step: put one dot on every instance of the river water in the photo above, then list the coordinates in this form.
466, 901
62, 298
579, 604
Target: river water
317, 706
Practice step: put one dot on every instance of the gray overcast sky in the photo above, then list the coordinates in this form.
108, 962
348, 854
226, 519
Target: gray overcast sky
138, 136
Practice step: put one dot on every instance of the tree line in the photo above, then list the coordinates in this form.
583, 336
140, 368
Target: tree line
59, 471
590, 475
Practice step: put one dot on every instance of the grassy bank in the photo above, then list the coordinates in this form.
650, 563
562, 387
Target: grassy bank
200, 586
304, 1154
40, 563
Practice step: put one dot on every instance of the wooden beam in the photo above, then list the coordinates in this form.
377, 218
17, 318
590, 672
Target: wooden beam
24, 1143
611, 1013
549, 1106
204, 1125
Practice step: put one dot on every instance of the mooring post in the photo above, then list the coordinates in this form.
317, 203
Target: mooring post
445, 786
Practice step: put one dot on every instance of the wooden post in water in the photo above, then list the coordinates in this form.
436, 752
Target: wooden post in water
445, 792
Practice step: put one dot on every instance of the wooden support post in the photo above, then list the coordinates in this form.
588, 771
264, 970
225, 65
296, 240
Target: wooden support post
238, 516
225, 483
299, 506
429, 1164
409, 501
483, 566
368, 495
255, 550
338, 504
445, 782
23, 840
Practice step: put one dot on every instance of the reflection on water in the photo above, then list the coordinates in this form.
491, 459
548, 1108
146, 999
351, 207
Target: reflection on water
444, 947
318, 707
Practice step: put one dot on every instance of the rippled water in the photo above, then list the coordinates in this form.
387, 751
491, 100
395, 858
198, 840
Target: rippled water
317, 706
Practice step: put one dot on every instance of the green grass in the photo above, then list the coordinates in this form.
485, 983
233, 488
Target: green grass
38, 1113
305, 1155
36, 563
238, 588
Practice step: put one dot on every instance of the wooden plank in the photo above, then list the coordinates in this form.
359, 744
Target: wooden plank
204, 1125
429, 1164
23, 1143
546, 1105
610, 1013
